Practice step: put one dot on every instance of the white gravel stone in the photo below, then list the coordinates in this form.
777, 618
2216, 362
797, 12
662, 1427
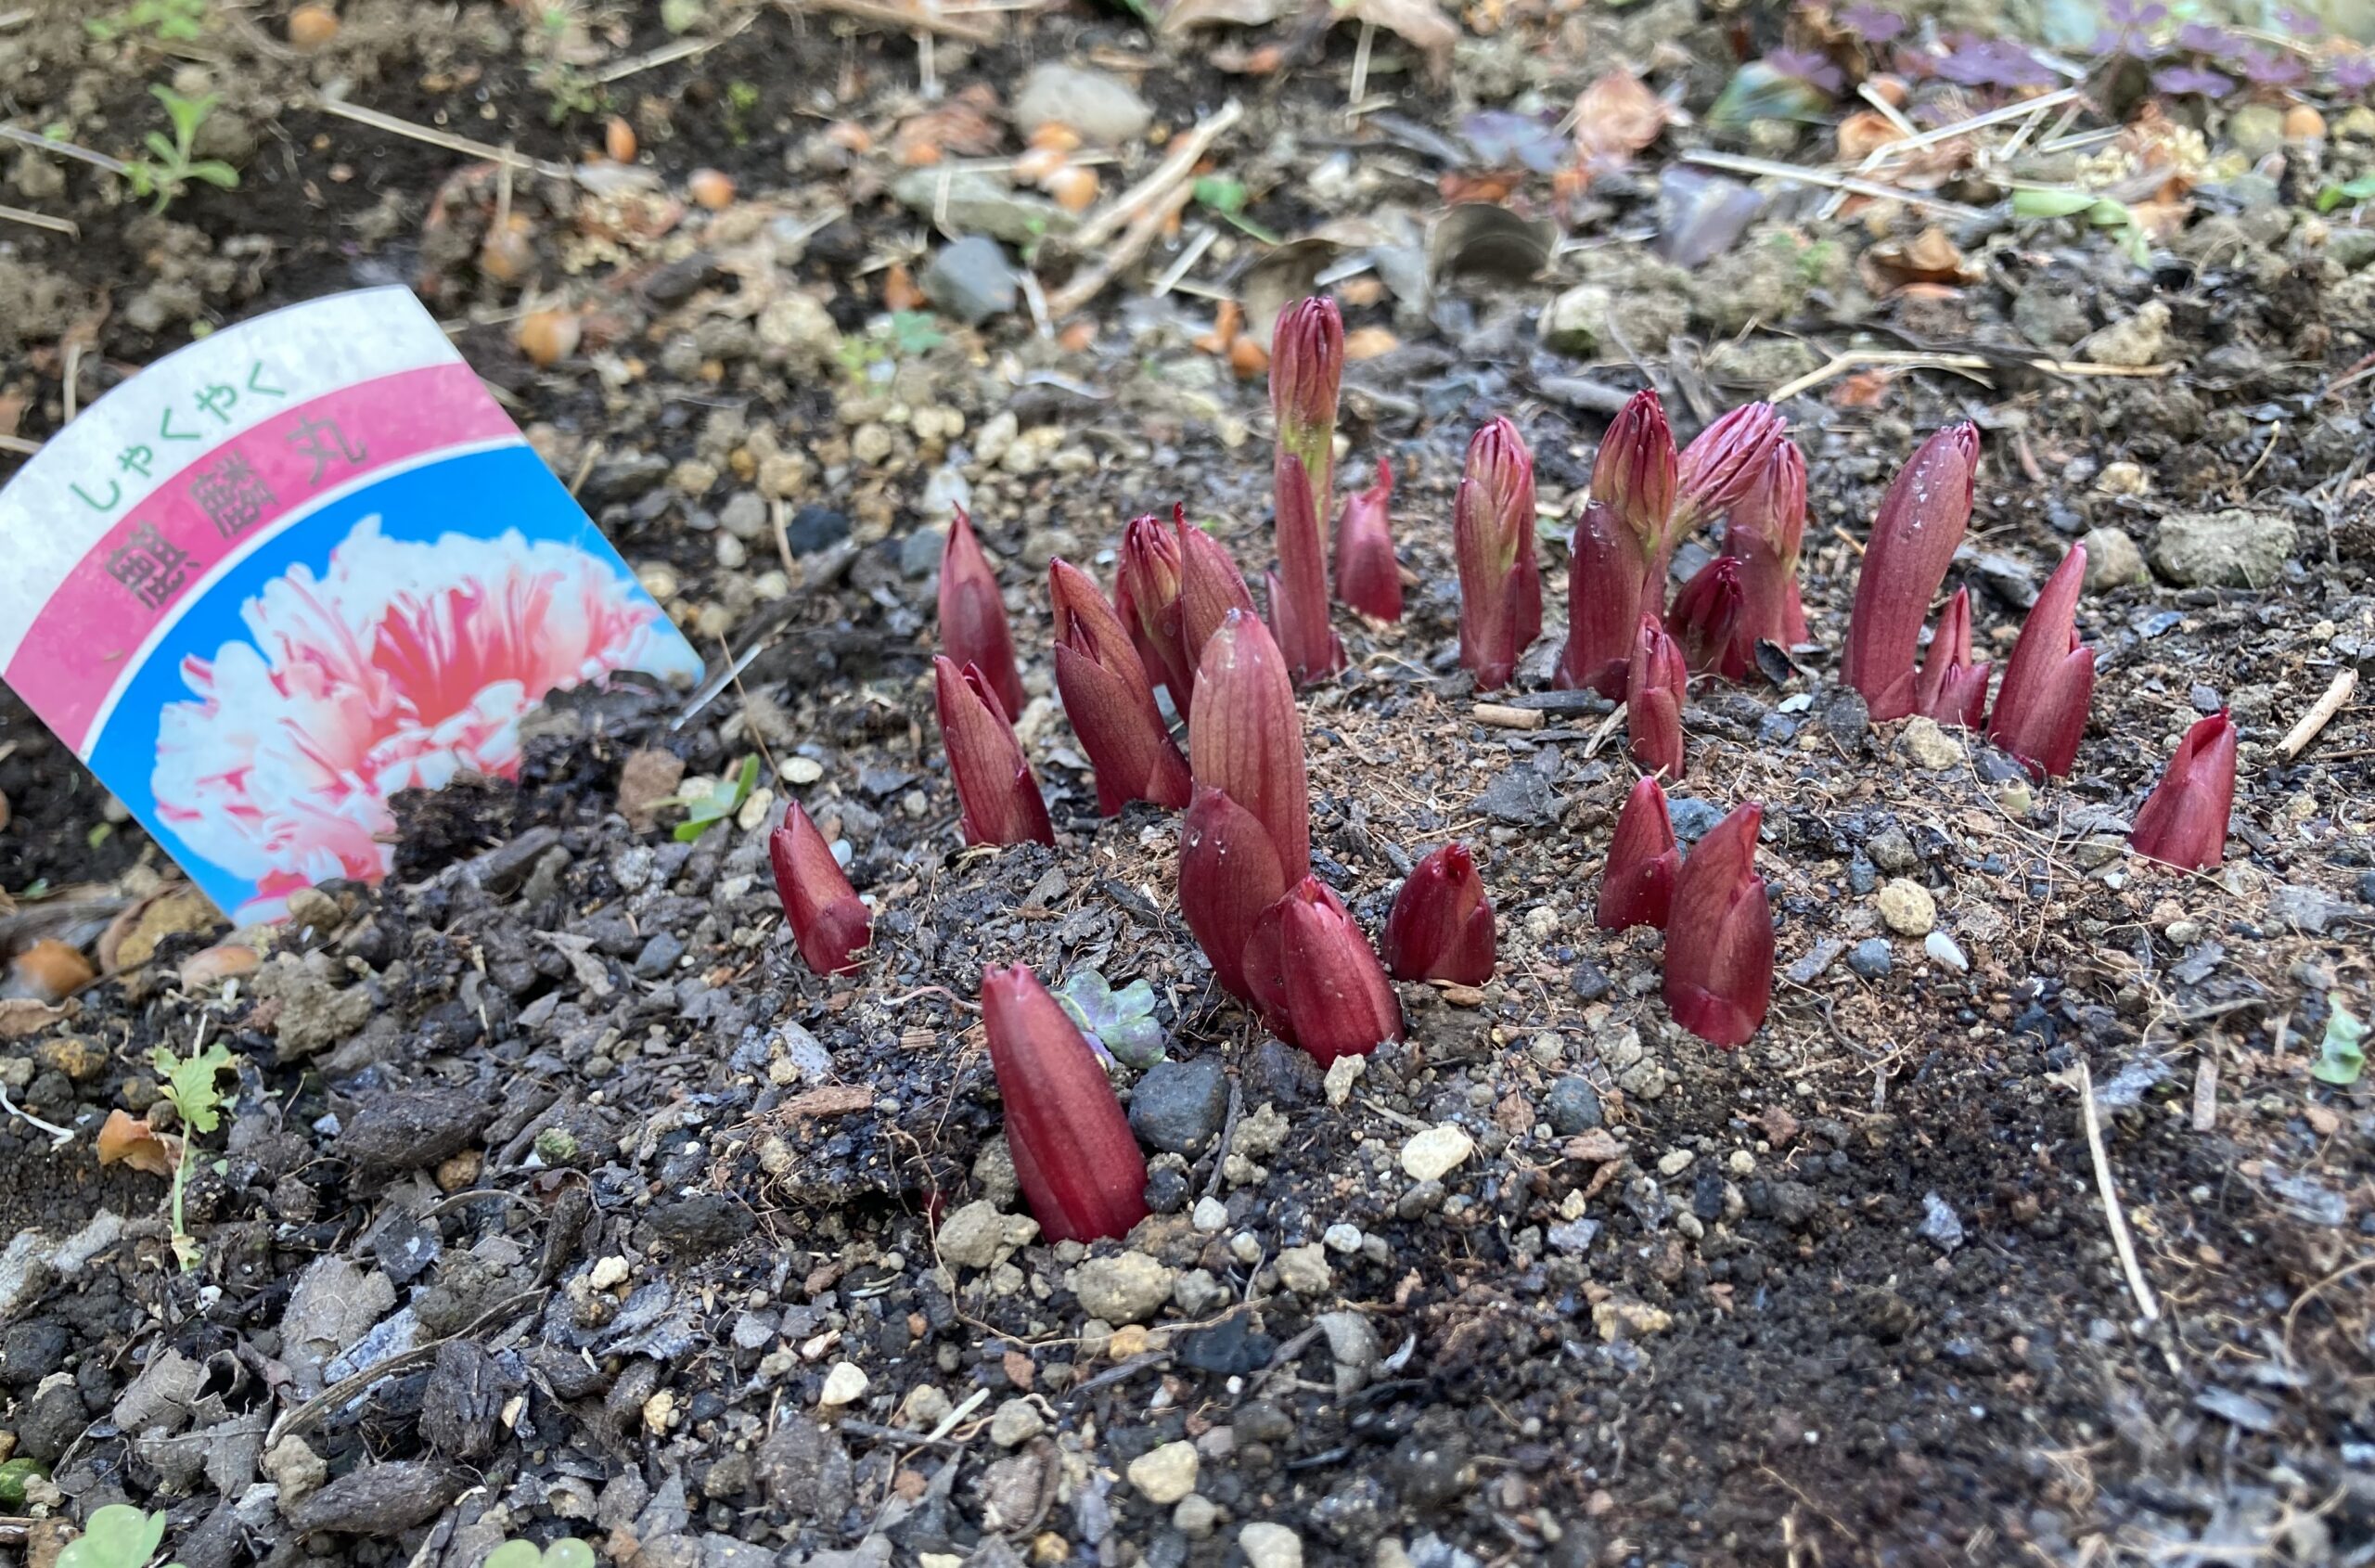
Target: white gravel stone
1429, 1156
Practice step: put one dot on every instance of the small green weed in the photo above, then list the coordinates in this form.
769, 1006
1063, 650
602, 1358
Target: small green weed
706, 808
175, 21
191, 1084
118, 1535
563, 1553
168, 173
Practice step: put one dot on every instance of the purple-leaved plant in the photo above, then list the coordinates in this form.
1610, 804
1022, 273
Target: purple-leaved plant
1810, 66
2269, 67
1871, 24
2352, 75
2200, 38
2179, 80
1973, 61
2127, 29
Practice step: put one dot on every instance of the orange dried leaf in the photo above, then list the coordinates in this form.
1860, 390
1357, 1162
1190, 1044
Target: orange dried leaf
1368, 343
898, 290
1247, 358
1616, 117
1864, 133
125, 1139
1864, 389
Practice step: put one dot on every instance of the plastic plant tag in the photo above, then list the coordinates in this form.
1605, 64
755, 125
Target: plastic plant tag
293, 569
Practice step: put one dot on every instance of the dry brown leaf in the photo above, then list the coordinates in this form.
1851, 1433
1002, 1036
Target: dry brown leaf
1420, 23
834, 1099
1369, 342
125, 1139
1928, 257
20, 1016
1864, 133
1616, 117
1185, 14
969, 126
1864, 389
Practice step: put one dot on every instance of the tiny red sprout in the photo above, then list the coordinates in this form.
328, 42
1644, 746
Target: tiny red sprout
1951, 689
1368, 578
1075, 1157
1921, 520
1316, 981
998, 800
1722, 465
1719, 935
2183, 822
1209, 586
1608, 588
2041, 709
1441, 927
1247, 741
1655, 682
1107, 698
1299, 588
1306, 369
1637, 888
1709, 621
1145, 592
1228, 875
1500, 586
1767, 529
830, 924
972, 614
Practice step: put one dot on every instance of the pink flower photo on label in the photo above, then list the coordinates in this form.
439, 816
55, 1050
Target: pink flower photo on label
401, 665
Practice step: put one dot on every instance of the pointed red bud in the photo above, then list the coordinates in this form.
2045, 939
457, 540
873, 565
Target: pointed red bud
1767, 531
2041, 709
1492, 530
1299, 588
1228, 875
1368, 577
1637, 888
1709, 621
1921, 520
1315, 980
998, 798
1719, 935
1635, 474
1247, 741
1209, 586
1075, 1157
1441, 927
1951, 689
828, 924
1107, 698
1145, 592
2183, 822
1722, 465
1608, 584
1655, 682
972, 614
1306, 369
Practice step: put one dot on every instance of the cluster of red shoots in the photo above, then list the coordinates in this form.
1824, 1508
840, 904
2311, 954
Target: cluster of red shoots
1281, 941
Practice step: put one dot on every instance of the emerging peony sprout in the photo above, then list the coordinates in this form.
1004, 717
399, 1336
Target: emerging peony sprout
998, 800
1306, 369
1299, 588
1767, 529
1951, 689
1228, 875
1145, 592
2041, 709
1616, 558
1249, 742
1638, 887
1727, 460
1719, 935
972, 614
1247, 836
1315, 979
830, 924
1655, 681
1441, 927
1710, 621
1920, 522
1492, 530
1368, 578
1109, 701
1073, 1154
2183, 822
1209, 586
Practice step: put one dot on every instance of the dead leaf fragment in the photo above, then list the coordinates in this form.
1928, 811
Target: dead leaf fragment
126, 1140
1616, 117
20, 1016
1369, 342
1184, 14
1420, 23
645, 779
1928, 257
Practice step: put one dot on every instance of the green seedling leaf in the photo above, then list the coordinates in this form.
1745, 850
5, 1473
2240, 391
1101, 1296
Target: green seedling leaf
2046, 201
2333, 196
190, 1084
117, 1536
2341, 1056
13, 1477
722, 800
1121, 1025
1222, 194
564, 1553
914, 332
1758, 91
677, 16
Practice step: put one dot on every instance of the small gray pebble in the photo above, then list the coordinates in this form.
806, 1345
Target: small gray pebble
1870, 958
